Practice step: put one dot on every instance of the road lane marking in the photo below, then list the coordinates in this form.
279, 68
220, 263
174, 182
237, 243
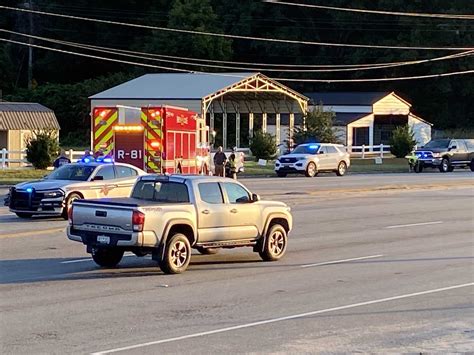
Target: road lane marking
343, 260
281, 319
32, 233
87, 259
413, 225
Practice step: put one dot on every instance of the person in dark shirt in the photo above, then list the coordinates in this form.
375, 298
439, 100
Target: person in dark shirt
61, 160
219, 162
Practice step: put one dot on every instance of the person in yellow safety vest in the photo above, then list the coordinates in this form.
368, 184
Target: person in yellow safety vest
233, 164
412, 160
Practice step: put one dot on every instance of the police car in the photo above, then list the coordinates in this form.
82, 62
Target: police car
88, 178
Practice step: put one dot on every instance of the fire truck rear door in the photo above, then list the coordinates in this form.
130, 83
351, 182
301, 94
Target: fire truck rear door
129, 147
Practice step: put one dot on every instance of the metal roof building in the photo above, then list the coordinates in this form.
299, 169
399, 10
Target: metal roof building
369, 118
26, 116
234, 104
18, 120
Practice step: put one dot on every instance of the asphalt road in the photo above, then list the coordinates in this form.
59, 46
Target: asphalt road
373, 270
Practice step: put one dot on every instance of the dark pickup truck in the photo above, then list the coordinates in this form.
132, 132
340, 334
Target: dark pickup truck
446, 154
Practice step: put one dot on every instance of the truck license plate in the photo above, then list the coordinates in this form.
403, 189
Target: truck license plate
103, 239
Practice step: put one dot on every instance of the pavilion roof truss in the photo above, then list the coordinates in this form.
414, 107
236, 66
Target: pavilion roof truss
257, 83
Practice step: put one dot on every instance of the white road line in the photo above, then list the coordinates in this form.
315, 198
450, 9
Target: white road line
280, 319
413, 225
342, 261
87, 259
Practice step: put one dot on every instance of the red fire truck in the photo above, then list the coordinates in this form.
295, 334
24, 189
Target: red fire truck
161, 139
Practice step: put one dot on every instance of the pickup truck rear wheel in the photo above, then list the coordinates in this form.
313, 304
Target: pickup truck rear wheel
207, 251
275, 243
472, 165
107, 257
177, 255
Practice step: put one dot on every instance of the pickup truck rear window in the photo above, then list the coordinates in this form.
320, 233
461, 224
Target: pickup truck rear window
165, 192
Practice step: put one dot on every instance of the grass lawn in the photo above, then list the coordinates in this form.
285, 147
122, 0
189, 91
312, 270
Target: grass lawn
391, 165
15, 176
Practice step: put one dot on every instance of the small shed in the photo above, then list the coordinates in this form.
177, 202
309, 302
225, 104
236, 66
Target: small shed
369, 118
17, 122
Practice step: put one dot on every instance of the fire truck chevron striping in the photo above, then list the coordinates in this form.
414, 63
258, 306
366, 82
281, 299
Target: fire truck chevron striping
162, 139
104, 119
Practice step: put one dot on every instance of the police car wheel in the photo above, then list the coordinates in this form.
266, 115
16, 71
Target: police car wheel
418, 168
341, 169
24, 215
70, 199
311, 170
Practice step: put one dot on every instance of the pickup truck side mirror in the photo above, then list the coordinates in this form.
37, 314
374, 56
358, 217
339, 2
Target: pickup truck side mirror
453, 147
255, 198
98, 178
321, 152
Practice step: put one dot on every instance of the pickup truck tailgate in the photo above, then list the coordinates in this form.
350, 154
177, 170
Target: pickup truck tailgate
104, 221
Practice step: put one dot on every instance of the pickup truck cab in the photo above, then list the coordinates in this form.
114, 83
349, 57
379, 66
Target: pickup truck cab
167, 216
445, 154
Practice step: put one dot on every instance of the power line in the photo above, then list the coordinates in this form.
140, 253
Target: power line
378, 12
177, 60
213, 34
402, 78
236, 74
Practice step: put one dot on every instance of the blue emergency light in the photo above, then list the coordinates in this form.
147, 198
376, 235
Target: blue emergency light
29, 190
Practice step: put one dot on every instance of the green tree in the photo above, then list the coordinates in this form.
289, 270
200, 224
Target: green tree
316, 126
42, 148
191, 15
402, 141
263, 145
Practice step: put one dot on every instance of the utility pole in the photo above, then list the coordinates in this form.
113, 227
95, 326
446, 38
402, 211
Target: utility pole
29, 5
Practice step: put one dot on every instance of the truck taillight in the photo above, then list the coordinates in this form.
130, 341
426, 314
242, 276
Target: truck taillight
69, 214
138, 220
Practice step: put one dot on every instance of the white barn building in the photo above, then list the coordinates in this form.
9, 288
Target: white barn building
369, 118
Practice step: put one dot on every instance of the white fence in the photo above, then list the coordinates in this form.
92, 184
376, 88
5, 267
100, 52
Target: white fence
19, 157
368, 151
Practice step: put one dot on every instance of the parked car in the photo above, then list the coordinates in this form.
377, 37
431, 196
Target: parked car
55, 192
310, 159
445, 154
166, 216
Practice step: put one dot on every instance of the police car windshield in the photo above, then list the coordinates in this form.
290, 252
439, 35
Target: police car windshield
439, 143
74, 172
306, 149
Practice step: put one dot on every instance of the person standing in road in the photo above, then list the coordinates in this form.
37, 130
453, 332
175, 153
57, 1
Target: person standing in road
61, 160
233, 164
219, 162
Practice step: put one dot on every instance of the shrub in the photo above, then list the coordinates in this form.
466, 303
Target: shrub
402, 141
263, 145
317, 128
42, 149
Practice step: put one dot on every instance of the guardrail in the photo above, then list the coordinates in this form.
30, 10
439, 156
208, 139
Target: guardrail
368, 151
20, 161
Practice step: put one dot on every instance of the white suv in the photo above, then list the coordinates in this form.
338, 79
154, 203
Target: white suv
312, 158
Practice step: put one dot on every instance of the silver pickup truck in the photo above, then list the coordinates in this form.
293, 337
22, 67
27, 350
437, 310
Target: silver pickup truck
166, 216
